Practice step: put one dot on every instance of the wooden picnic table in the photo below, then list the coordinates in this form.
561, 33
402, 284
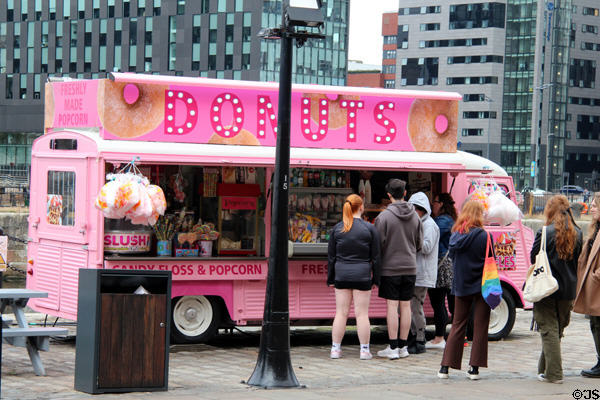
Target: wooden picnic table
33, 338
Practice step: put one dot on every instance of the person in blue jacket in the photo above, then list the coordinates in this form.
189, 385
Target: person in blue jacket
353, 267
444, 215
468, 248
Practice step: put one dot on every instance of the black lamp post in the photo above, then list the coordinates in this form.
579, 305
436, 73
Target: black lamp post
274, 367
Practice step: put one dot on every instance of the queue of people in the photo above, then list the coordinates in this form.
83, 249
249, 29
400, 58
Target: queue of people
415, 248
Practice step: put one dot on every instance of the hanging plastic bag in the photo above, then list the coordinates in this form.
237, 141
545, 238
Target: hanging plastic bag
502, 210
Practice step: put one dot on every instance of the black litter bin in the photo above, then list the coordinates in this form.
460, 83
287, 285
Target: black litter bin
122, 337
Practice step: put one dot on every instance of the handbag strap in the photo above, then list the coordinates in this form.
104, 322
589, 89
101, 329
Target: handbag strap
488, 245
543, 244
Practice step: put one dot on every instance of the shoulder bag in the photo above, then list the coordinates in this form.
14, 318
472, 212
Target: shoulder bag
491, 288
540, 283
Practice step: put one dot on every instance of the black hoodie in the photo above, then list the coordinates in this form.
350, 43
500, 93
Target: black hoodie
401, 236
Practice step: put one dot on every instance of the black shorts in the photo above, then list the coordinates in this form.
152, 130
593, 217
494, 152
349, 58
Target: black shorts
401, 287
360, 285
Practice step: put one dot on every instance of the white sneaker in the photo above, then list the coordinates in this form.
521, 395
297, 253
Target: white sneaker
403, 352
366, 355
439, 345
335, 354
389, 353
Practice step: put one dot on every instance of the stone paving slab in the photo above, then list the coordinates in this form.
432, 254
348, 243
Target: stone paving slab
217, 371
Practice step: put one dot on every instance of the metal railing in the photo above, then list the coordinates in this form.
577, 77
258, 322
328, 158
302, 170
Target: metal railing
14, 186
534, 204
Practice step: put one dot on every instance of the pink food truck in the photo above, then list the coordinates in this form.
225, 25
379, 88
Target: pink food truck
210, 145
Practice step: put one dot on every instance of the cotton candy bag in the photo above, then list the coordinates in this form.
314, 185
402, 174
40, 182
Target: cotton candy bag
502, 210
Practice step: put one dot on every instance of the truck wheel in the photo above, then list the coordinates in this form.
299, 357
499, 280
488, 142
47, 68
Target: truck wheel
502, 318
195, 319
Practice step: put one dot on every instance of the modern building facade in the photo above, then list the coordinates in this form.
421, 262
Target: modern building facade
526, 70
88, 38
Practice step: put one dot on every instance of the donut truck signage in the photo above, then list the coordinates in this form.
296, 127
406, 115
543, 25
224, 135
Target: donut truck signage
150, 108
201, 110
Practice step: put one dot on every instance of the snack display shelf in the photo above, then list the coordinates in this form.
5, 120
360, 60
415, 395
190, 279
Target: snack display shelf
308, 249
310, 189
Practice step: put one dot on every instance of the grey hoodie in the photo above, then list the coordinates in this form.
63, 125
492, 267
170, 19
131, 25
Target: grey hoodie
427, 258
401, 236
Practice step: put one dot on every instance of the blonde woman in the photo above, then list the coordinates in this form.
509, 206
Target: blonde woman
552, 314
353, 262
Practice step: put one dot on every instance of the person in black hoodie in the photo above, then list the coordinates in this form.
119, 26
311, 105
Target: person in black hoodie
468, 247
552, 314
353, 265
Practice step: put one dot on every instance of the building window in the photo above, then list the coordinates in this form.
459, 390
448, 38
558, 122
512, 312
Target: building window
582, 73
205, 6
81, 9
478, 15
172, 42
419, 71
479, 114
389, 69
420, 10
472, 132
156, 9
389, 54
589, 29
66, 9
23, 87
9, 87
141, 8
389, 83
430, 27
590, 11
390, 39
477, 59
180, 7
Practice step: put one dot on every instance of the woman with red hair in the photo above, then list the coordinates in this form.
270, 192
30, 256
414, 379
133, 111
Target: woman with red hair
467, 249
553, 313
353, 265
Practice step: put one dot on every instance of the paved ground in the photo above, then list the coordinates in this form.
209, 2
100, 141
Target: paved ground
217, 371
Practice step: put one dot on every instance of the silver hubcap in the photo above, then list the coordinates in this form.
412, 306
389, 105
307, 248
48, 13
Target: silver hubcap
499, 317
192, 315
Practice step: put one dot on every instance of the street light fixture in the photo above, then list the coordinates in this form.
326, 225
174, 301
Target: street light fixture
536, 159
273, 366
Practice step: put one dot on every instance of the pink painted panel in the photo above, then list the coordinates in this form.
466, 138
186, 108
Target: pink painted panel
223, 112
45, 277
222, 289
72, 260
248, 300
73, 104
193, 269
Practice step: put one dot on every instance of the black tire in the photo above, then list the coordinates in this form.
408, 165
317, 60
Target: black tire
502, 318
194, 319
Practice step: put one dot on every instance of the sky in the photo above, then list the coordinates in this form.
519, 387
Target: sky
365, 41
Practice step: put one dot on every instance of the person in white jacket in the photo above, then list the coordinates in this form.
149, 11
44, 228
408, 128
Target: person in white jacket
427, 266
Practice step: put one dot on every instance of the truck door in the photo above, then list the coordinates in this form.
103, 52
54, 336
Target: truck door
59, 228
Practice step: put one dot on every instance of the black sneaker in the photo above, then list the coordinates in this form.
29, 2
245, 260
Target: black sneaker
443, 373
473, 373
593, 372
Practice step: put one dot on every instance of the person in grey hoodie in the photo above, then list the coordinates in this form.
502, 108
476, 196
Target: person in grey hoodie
401, 236
427, 265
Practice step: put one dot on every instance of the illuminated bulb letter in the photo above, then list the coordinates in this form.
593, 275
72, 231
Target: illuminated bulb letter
173, 98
